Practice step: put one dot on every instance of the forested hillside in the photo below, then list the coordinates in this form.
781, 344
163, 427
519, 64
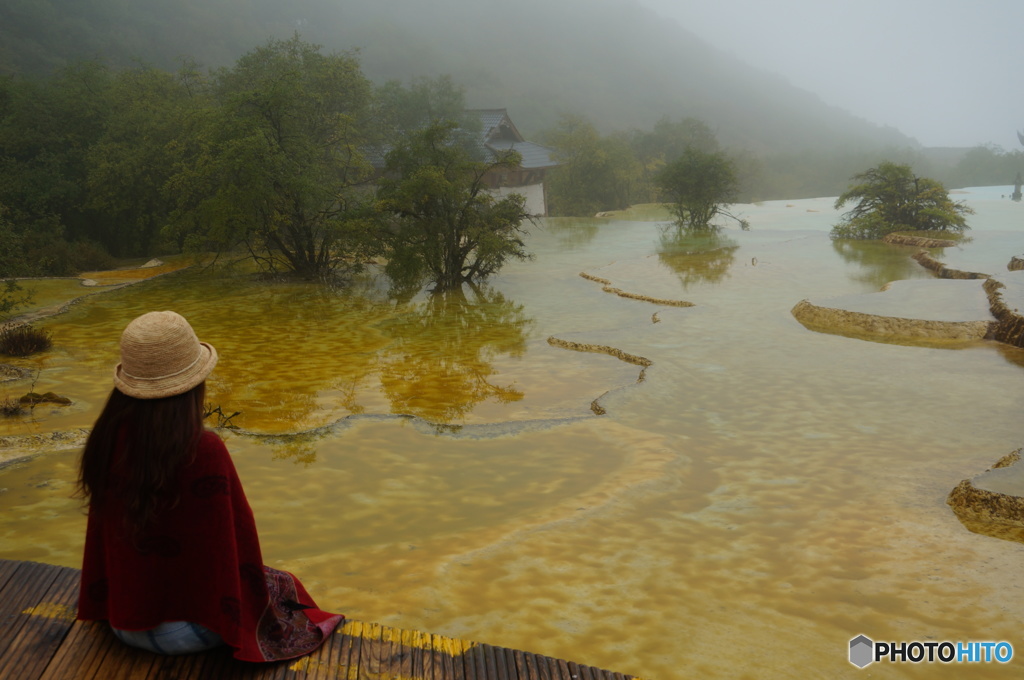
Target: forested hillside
616, 63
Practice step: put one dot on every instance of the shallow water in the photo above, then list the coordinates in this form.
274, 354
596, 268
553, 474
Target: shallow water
762, 496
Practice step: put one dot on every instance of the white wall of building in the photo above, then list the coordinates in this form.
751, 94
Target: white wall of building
534, 194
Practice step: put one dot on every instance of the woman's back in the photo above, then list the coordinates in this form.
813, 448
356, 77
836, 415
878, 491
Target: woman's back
171, 538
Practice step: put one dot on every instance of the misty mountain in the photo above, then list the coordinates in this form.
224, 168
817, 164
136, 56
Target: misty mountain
613, 61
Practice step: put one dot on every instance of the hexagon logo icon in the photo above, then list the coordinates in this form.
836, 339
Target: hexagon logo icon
862, 651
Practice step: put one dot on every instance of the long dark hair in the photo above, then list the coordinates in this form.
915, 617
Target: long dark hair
136, 449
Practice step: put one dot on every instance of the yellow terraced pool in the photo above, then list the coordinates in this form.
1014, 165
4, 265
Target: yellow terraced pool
748, 503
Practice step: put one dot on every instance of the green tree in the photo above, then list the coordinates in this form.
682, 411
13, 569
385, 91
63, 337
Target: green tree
403, 109
143, 144
46, 130
987, 166
280, 164
12, 295
890, 198
700, 185
595, 173
666, 142
445, 226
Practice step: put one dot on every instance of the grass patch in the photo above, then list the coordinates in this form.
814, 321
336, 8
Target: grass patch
23, 339
11, 407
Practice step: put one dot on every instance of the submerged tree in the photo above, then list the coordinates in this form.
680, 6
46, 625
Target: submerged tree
445, 226
280, 161
890, 198
700, 185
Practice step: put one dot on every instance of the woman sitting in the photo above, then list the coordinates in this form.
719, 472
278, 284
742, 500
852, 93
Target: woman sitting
172, 559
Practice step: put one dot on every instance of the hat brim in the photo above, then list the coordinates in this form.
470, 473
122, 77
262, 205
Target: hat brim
141, 388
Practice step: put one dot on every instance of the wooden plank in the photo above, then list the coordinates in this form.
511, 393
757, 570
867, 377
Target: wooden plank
167, 667
323, 663
533, 668
479, 662
81, 653
122, 662
351, 642
444, 657
275, 670
542, 664
221, 663
425, 654
342, 643
40, 641
506, 664
25, 589
395, 659
356, 670
46, 624
491, 658
370, 658
466, 662
563, 669
163, 667
7, 569
375, 654
402, 659
415, 654
519, 659
463, 651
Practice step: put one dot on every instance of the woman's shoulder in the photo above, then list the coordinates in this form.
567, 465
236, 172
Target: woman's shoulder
210, 438
212, 448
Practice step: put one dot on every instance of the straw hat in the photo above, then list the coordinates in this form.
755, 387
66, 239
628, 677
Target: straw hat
161, 357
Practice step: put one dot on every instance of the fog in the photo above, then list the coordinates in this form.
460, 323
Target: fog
946, 72
789, 74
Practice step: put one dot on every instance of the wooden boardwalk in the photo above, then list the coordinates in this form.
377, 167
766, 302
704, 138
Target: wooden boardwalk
40, 639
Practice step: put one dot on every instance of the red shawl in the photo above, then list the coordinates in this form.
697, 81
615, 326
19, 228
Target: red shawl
199, 561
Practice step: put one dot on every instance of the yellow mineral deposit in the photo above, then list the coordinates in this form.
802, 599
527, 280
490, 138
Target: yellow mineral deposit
765, 495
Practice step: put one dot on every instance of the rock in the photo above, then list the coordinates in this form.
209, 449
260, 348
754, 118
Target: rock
941, 270
939, 311
50, 398
918, 241
993, 501
155, 262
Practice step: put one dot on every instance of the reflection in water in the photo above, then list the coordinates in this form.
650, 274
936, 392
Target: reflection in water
437, 363
696, 258
879, 263
573, 233
298, 356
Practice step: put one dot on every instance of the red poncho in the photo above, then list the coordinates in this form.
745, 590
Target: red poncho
199, 561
